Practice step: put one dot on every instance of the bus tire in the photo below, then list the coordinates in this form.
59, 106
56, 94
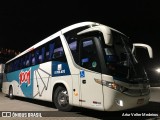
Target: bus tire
11, 96
61, 99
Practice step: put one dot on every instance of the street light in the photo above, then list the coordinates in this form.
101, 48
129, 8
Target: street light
158, 70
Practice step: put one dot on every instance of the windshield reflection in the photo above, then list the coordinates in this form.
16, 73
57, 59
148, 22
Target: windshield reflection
120, 61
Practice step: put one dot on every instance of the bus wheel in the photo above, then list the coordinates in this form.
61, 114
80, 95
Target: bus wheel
11, 96
61, 99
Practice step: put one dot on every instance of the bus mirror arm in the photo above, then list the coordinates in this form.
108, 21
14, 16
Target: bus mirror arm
140, 45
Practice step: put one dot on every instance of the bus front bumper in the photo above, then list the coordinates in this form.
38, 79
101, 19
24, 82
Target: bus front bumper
116, 101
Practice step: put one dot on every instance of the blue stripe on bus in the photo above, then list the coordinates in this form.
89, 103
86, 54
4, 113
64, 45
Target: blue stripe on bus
24, 78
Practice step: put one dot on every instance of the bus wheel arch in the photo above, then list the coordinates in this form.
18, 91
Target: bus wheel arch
61, 98
10, 93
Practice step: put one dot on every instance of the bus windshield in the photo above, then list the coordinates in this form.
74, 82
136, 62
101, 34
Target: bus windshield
120, 61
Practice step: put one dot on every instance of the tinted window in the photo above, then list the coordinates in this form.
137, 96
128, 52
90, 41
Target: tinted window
53, 50
89, 57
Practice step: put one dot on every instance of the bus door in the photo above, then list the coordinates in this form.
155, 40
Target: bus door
91, 92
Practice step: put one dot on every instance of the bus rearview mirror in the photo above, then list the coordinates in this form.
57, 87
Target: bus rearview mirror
140, 45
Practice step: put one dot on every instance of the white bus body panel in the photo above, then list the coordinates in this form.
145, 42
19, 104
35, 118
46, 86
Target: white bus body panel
42, 82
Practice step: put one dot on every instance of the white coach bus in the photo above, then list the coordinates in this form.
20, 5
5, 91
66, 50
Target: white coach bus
87, 65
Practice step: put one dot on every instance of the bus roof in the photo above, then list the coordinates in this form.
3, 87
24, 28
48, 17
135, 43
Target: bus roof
62, 31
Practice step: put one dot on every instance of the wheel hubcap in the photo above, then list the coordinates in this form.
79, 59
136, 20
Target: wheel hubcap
63, 98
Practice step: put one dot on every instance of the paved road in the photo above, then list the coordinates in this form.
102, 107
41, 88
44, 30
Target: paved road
48, 111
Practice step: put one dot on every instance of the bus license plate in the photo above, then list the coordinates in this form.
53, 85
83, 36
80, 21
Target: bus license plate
140, 101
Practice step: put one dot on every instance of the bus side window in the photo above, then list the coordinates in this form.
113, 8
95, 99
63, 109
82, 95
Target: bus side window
24, 63
33, 59
15, 65
59, 54
88, 55
73, 47
36, 57
40, 57
21, 62
43, 53
26, 60
51, 49
12, 66
47, 55
46, 52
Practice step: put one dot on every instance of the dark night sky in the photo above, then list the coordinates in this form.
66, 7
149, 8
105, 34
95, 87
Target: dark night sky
23, 24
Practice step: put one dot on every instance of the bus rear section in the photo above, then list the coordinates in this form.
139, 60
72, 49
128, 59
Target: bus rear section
1, 75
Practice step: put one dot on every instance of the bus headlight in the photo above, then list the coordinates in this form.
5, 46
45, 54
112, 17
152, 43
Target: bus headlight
111, 85
119, 102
